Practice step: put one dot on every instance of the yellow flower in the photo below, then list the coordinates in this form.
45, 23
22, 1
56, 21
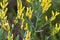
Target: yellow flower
26, 28
12, 37
52, 13
4, 21
22, 21
20, 6
57, 13
56, 25
4, 4
20, 9
46, 18
45, 5
6, 10
54, 16
56, 29
28, 34
29, 12
3, 26
30, 16
22, 26
8, 38
28, 1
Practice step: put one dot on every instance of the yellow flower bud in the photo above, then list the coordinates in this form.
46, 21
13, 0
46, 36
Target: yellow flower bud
46, 18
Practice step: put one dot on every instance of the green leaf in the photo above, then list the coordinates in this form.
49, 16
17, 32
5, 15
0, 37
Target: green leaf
17, 38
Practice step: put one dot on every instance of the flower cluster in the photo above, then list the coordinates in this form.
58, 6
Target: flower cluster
56, 29
29, 12
30, 20
4, 22
28, 36
20, 9
3, 10
45, 5
54, 15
